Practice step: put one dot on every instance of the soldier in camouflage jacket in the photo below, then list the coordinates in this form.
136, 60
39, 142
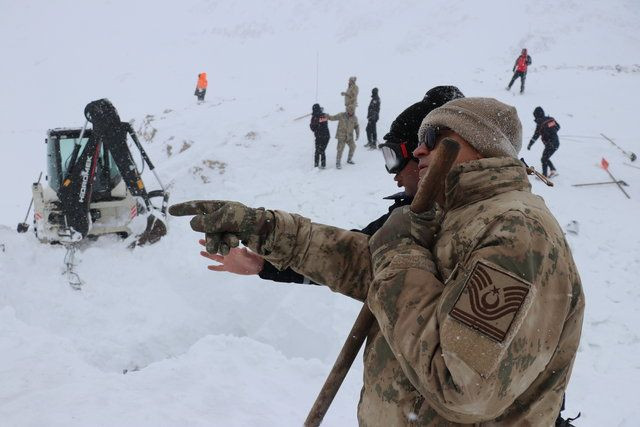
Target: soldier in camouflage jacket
351, 95
478, 304
347, 125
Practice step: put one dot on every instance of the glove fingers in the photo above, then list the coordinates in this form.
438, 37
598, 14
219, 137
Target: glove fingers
223, 249
231, 240
211, 223
230, 218
227, 242
212, 242
196, 207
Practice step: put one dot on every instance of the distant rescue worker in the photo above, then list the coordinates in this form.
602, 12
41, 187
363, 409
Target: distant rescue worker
520, 69
320, 129
201, 86
351, 95
546, 127
347, 124
373, 114
478, 303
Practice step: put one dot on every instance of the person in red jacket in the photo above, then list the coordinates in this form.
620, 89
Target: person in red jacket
520, 69
201, 87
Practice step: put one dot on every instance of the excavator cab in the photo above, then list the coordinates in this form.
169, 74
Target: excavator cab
60, 145
93, 186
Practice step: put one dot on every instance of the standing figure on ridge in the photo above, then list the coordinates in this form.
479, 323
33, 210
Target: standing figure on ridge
347, 124
320, 129
547, 127
201, 87
373, 114
351, 95
520, 69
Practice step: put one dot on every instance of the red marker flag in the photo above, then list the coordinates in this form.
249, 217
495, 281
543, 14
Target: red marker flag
604, 164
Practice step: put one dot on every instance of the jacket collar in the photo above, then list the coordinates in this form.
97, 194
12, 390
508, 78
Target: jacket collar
481, 179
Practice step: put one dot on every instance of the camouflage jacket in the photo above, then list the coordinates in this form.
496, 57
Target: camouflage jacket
346, 125
490, 338
351, 96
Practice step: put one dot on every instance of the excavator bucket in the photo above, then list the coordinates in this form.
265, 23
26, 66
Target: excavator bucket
156, 220
156, 228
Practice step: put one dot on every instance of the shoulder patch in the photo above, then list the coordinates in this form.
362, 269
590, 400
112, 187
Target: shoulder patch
490, 300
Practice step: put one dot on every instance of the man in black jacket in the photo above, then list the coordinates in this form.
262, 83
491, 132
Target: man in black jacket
320, 129
399, 144
546, 127
372, 118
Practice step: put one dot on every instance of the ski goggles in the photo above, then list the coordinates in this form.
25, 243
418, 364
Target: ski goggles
430, 137
396, 156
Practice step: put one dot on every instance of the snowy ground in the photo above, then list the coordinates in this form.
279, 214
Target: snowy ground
153, 338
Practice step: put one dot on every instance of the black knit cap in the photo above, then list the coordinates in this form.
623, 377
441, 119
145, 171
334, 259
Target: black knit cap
405, 127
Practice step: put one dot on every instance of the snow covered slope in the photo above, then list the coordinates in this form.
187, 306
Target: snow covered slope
204, 348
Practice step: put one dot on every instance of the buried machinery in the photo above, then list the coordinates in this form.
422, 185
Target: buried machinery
93, 184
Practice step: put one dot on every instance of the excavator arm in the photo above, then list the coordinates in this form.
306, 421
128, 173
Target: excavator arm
110, 134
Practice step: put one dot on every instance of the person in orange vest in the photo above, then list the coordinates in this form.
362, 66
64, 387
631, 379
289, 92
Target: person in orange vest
520, 69
201, 87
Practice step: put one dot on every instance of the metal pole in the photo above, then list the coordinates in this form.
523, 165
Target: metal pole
600, 183
631, 156
317, 72
302, 117
146, 158
23, 226
31, 202
619, 186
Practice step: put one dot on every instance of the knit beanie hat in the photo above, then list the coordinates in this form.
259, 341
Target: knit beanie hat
440, 95
491, 127
405, 127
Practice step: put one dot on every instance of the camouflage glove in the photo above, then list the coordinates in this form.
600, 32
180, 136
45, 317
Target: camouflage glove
226, 223
402, 231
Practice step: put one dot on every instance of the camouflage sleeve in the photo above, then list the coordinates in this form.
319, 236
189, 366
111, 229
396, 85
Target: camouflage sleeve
473, 346
333, 117
327, 255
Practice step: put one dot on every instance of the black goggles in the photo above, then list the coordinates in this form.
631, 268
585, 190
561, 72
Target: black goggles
430, 136
396, 156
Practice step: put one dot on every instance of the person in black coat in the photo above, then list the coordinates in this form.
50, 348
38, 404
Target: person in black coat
547, 128
320, 128
372, 118
399, 144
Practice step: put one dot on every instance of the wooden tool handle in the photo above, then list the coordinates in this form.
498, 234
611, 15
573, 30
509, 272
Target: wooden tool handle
429, 189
